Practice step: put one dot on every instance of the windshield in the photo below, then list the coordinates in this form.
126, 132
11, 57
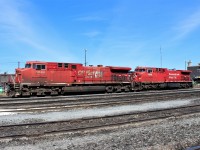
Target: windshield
28, 66
39, 66
140, 70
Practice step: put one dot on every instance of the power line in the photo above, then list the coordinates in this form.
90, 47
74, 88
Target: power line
12, 62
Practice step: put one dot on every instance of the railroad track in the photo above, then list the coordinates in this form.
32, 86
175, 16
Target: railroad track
86, 102
8, 99
86, 124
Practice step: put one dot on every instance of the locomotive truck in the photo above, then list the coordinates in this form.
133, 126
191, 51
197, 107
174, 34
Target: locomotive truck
54, 78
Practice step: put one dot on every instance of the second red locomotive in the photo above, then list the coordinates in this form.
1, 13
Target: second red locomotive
158, 78
53, 78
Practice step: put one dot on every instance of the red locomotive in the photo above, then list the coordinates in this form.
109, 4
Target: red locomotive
158, 78
53, 78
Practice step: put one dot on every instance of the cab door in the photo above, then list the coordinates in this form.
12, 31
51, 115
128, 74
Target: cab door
40, 74
149, 75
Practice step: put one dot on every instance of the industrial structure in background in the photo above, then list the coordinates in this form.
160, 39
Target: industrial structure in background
5, 79
195, 75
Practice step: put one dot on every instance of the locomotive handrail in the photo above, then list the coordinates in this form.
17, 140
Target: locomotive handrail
13, 81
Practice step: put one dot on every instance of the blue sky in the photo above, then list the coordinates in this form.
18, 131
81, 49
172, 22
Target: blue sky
114, 32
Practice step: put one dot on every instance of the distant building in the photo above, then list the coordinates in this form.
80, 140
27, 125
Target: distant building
195, 75
5, 79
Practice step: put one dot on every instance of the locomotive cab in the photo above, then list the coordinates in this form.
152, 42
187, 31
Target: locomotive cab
20, 73
141, 73
34, 72
149, 77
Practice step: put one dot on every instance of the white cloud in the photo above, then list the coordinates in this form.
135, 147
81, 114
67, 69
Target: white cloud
92, 34
187, 26
12, 19
18, 24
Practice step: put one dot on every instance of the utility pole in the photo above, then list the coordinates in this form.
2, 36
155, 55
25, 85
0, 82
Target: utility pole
18, 64
160, 57
85, 56
185, 64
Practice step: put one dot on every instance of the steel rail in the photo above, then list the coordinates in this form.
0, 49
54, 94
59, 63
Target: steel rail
86, 124
42, 106
7, 99
72, 99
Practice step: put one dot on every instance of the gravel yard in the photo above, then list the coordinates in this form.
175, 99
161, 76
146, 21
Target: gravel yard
171, 134
175, 133
17, 118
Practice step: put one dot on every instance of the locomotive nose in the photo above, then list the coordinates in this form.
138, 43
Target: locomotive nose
18, 71
18, 75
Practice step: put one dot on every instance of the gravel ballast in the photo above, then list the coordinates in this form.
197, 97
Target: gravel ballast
175, 133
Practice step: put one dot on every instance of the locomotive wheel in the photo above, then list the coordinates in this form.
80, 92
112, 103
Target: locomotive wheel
140, 87
127, 88
25, 94
118, 89
109, 89
11, 94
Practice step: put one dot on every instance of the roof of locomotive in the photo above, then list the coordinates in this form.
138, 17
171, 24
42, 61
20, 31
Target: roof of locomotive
142, 67
111, 67
44, 62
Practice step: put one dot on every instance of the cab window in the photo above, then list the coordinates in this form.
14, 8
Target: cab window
39, 67
142, 70
66, 65
73, 66
28, 66
160, 70
59, 65
149, 70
